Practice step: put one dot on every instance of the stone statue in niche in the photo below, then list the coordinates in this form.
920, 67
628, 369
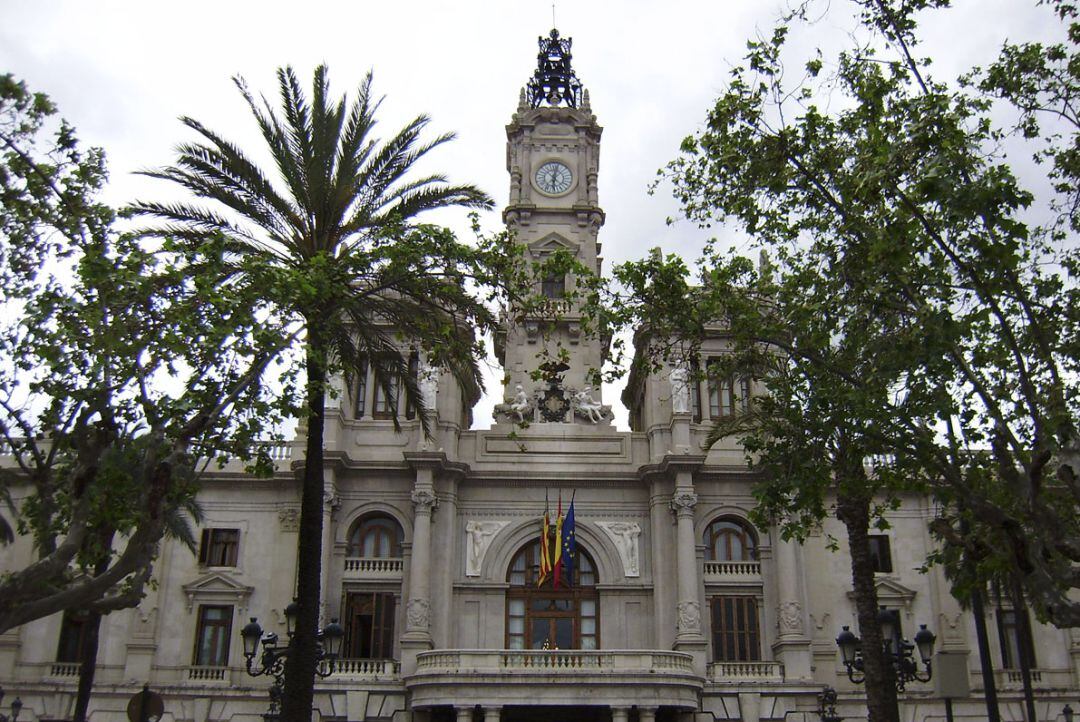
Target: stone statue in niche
478, 540
428, 379
519, 407
680, 389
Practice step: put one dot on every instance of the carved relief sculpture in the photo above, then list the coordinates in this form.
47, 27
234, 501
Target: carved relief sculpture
518, 407
425, 500
418, 614
683, 502
625, 537
477, 541
789, 618
689, 619
584, 405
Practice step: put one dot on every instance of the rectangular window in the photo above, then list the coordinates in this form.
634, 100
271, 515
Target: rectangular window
219, 547
370, 625
73, 630
212, 636
721, 395
414, 374
880, 555
745, 390
695, 390
360, 395
735, 629
385, 398
1014, 629
553, 287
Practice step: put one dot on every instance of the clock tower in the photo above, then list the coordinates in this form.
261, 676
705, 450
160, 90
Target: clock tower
552, 156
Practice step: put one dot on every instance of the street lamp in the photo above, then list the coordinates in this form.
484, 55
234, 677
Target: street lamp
827, 706
272, 661
16, 707
902, 659
1067, 712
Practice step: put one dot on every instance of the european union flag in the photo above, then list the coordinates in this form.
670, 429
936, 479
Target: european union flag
569, 544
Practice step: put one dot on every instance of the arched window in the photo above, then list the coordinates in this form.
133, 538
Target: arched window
545, 617
375, 537
730, 540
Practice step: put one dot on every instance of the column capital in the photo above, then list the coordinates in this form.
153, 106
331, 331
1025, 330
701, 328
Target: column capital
425, 500
683, 502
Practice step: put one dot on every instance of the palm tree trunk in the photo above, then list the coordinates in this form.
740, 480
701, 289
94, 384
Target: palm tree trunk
854, 512
300, 666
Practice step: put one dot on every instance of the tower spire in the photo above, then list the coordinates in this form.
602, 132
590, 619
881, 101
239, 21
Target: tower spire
554, 81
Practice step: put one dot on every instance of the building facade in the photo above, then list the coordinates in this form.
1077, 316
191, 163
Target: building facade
677, 604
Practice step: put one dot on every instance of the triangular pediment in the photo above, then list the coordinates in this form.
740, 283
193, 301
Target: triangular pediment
890, 593
217, 587
551, 243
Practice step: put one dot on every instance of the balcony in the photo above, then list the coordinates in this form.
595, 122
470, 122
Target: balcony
208, 675
370, 670
732, 572
555, 677
1012, 679
64, 669
746, 672
365, 569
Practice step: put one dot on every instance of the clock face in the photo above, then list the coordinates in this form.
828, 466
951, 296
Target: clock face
553, 177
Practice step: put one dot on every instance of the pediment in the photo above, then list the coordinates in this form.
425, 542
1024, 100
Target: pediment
891, 593
216, 587
552, 243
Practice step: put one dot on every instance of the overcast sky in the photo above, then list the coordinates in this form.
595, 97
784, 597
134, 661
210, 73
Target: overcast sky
122, 72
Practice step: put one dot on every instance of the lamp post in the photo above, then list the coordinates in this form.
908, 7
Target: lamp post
902, 659
1067, 712
272, 660
827, 706
16, 707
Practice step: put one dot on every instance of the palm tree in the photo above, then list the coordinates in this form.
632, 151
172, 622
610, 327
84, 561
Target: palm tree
332, 244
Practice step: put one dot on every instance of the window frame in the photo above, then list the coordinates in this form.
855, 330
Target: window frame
580, 595
880, 548
720, 389
722, 528
729, 645
217, 552
74, 623
354, 543
220, 648
360, 390
1013, 631
382, 606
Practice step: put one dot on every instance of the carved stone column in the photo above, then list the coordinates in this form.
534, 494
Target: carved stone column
646, 714
792, 646
417, 637
492, 714
688, 634
620, 714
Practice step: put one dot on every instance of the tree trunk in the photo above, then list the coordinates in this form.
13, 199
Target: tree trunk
87, 666
854, 512
300, 666
1023, 639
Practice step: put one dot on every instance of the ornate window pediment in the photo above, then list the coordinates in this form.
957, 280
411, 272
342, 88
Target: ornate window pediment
551, 243
217, 588
891, 594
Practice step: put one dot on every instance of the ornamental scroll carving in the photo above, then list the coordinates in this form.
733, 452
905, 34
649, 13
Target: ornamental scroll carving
683, 502
425, 500
789, 617
289, 519
418, 614
689, 619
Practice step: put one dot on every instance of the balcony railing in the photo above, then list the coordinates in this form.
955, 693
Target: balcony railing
1045, 678
367, 668
64, 669
744, 672
196, 673
560, 661
365, 568
732, 571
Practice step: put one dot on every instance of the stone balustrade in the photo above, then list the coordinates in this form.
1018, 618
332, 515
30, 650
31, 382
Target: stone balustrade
64, 669
196, 673
743, 672
1013, 679
367, 669
732, 571
561, 661
357, 568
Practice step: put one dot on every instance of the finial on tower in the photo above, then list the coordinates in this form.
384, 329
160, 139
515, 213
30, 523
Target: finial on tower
554, 81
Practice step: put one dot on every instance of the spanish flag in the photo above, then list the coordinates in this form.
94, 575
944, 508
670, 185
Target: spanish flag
545, 549
556, 564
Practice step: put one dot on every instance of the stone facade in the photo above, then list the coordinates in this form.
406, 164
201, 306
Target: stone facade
681, 607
